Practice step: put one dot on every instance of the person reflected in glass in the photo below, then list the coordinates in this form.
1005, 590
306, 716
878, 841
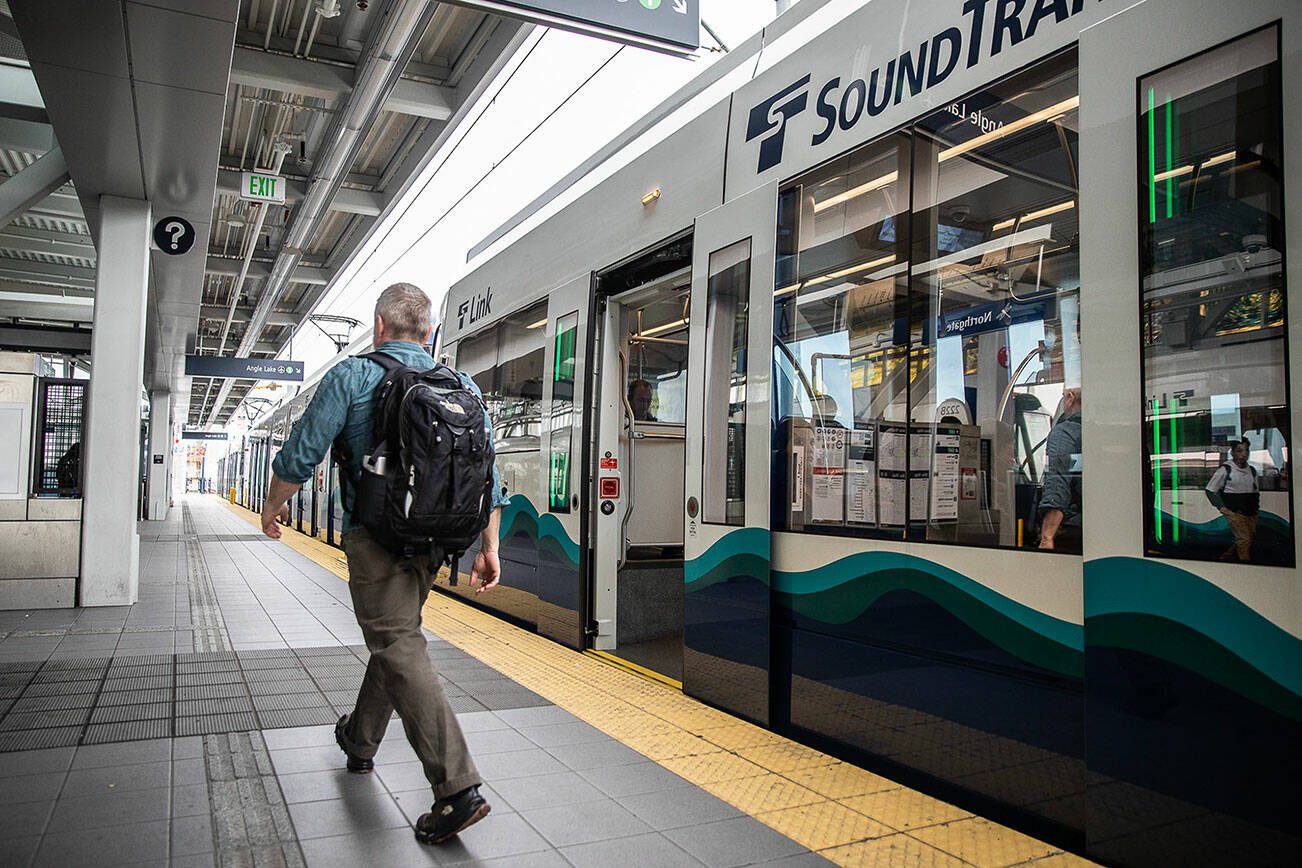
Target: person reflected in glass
67, 471
1234, 492
1060, 500
640, 396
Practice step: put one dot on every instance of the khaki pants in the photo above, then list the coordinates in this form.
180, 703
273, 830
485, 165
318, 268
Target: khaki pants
1244, 528
388, 593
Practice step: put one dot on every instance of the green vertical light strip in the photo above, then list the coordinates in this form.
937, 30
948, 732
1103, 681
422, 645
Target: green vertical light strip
1171, 180
1175, 483
1157, 472
1152, 161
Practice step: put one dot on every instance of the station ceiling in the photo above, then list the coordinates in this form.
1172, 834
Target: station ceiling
171, 100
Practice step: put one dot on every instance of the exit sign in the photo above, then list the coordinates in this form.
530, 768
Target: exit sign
262, 188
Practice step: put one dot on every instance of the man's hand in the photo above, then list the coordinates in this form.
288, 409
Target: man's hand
271, 521
485, 572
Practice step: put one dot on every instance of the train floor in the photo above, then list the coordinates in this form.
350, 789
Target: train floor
196, 728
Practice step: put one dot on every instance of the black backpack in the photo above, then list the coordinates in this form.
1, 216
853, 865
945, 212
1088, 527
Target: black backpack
426, 483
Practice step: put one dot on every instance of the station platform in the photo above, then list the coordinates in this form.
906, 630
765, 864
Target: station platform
196, 728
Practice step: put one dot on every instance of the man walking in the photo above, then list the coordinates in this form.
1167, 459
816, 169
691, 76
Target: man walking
388, 589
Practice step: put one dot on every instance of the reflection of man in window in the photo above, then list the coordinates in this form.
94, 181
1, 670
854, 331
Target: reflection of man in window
1060, 501
1233, 490
639, 398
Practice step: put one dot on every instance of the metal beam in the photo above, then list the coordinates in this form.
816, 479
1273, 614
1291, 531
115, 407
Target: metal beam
47, 272
20, 98
213, 311
44, 339
329, 82
32, 184
260, 268
26, 300
31, 241
348, 201
25, 136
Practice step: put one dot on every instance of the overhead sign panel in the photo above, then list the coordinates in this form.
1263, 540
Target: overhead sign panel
261, 187
203, 435
242, 368
664, 25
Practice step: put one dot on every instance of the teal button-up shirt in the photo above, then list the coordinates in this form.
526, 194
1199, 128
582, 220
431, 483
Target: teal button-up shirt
343, 402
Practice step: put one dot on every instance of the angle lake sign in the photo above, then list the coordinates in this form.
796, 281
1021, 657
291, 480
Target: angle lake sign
243, 368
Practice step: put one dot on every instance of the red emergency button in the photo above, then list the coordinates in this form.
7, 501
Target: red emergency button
609, 487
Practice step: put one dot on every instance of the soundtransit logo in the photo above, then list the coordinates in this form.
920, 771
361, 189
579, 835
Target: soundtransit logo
842, 104
771, 117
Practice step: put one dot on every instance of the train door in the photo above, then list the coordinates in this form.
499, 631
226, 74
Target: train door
1190, 541
726, 506
639, 378
560, 525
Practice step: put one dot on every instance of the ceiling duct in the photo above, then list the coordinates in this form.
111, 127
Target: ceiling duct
378, 71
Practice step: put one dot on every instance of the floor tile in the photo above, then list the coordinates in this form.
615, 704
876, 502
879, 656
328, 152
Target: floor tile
103, 809
22, 819
625, 780
357, 812
192, 835
727, 843
682, 806
322, 786
541, 791
564, 825
307, 759
30, 788
190, 800
125, 844
144, 776
646, 851
126, 753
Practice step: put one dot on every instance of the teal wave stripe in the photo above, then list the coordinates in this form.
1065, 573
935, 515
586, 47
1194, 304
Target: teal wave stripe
1216, 531
547, 532
840, 592
741, 552
1142, 590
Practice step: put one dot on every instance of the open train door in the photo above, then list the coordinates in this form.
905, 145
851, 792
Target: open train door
726, 510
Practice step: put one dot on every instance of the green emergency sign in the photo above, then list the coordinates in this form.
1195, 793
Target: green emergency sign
262, 188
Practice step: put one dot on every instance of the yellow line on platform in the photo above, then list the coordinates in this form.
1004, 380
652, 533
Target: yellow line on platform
845, 813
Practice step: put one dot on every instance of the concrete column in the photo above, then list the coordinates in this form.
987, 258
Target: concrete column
110, 546
160, 453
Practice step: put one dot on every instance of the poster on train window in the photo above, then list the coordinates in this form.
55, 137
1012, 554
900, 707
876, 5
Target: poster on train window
892, 474
920, 446
945, 475
828, 467
861, 477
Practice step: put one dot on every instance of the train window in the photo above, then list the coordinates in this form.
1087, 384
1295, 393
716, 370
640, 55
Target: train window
1214, 324
657, 364
506, 362
841, 342
995, 288
562, 413
926, 339
723, 494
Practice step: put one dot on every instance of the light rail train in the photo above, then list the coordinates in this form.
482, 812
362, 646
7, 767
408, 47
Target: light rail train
781, 433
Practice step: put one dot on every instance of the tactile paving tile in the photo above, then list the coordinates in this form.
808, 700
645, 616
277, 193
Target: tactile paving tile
19, 666
324, 651
271, 688
135, 697
32, 739
264, 653
287, 717
147, 670
263, 664
75, 663
209, 707
148, 682
290, 700
278, 674
461, 704
45, 719
209, 667
215, 723
49, 703
204, 656
134, 730
504, 701
120, 713
143, 659
200, 679
58, 688
210, 691
58, 676
340, 682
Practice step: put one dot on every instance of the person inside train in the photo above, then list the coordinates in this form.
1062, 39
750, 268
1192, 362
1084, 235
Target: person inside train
640, 396
388, 588
1060, 499
1234, 491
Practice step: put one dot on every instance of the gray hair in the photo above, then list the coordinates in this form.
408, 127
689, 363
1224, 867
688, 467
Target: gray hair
406, 311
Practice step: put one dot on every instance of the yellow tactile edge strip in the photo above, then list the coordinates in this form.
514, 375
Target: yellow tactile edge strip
844, 813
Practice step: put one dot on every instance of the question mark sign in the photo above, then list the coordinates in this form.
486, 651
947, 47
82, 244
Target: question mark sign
176, 230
